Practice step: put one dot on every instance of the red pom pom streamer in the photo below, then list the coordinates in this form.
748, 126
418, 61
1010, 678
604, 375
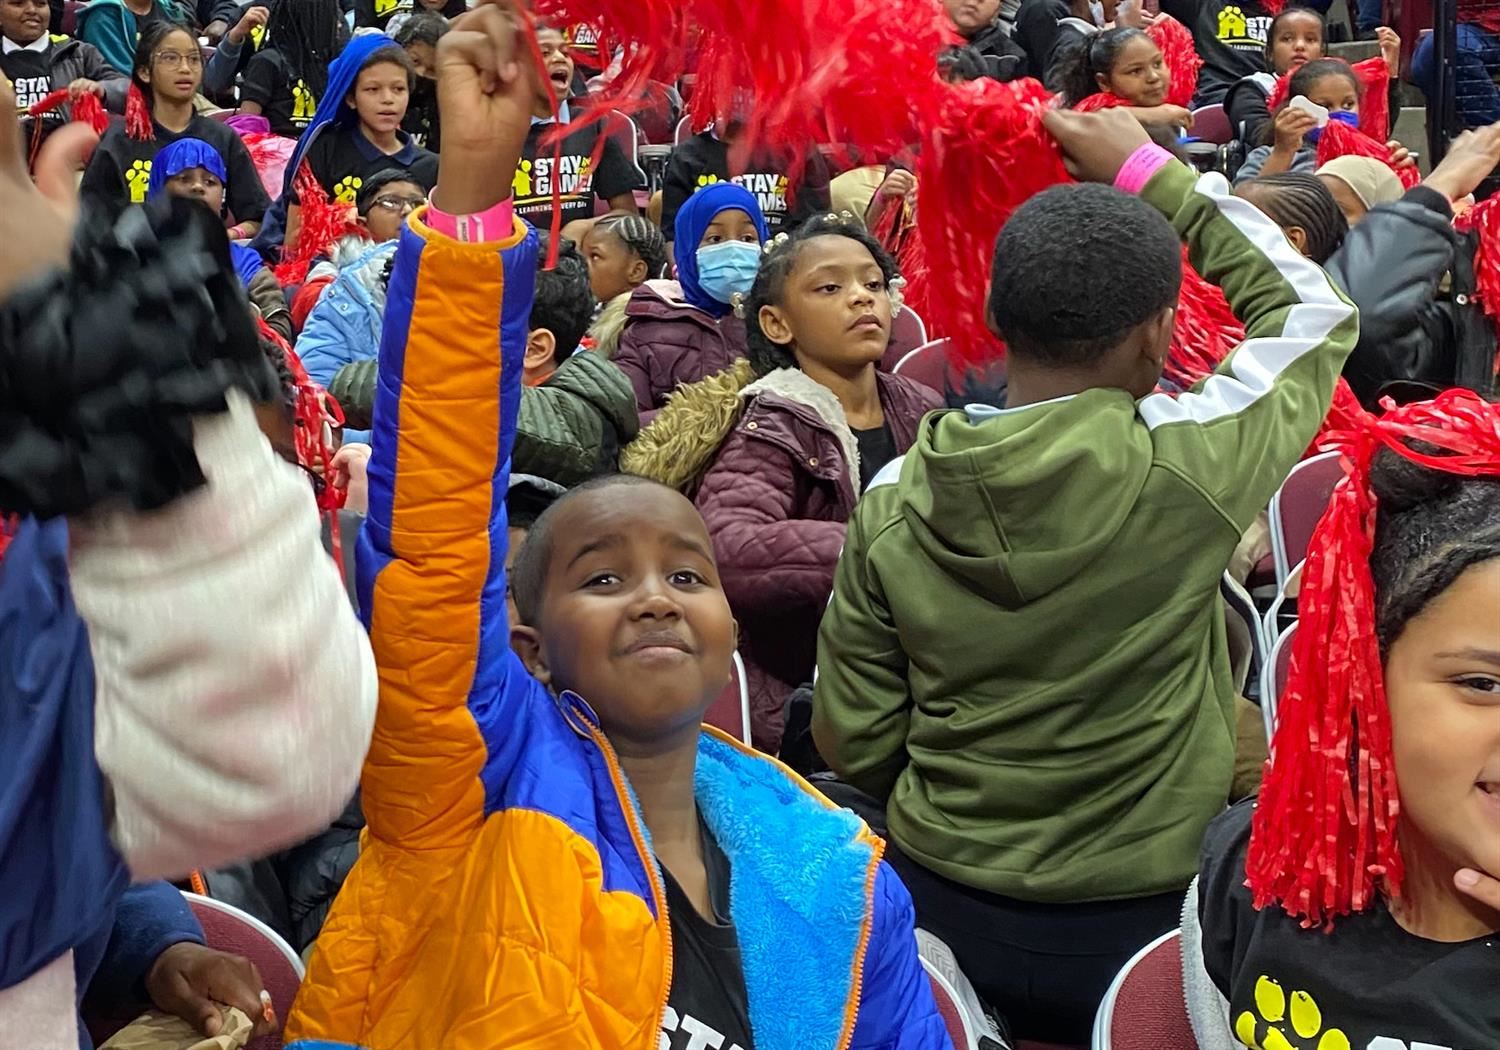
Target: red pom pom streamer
314, 412
983, 153
1180, 57
87, 109
1324, 837
1099, 100
8, 523
1374, 77
1340, 140
1204, 332
322, 223
138, 123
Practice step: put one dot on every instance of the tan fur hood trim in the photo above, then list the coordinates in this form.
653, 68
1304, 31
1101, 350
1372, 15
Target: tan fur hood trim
610, 323
792, 384
681, 441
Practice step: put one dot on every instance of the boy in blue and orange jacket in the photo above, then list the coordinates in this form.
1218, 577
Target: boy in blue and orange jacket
558, 854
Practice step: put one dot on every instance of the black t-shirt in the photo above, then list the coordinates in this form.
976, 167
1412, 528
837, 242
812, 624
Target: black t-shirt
341, 159
876, 448
31, 73
704, 159
377, 13
1370, 980
120, 169
708, 1005
422, 121
580, 179
1230, 38
285, 101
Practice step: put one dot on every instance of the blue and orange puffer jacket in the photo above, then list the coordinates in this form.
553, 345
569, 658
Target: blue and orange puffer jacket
507, 895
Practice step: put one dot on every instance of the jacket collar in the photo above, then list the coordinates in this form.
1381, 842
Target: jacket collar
815, 404
802, 877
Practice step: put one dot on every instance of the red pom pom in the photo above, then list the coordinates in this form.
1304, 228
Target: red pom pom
1484, 220
322, 223
1204, 331
1324, 838
138, 123
1340, 140
1375, 102
983, 153
1180, 56
1097, 101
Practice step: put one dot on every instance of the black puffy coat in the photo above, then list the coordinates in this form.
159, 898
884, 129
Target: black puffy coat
1416, 335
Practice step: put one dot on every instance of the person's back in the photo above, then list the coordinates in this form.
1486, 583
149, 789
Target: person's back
1073, 741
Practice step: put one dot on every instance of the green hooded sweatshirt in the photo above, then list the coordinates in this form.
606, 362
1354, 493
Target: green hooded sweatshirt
1025, 651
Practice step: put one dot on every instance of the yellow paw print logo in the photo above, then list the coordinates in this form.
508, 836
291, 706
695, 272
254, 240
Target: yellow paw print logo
1232, 24
347, 188
303, 103
521, 184
385, 7
138, 178
257, 37
707, 180
1290, 1024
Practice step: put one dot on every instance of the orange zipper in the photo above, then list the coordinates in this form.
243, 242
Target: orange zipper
851, 1009
658, 891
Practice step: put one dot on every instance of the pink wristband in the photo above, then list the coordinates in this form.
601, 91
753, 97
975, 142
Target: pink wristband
493, 224
1138, 168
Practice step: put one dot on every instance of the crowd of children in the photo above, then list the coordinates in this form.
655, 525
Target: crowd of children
593, 459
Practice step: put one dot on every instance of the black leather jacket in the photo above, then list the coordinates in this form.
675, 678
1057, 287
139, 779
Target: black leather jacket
1416, 333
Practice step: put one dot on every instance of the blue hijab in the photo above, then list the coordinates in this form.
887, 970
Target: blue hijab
692, 223
177, 157
342, 72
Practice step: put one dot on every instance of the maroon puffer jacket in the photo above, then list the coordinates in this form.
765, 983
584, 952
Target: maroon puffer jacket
667, 342
776, 499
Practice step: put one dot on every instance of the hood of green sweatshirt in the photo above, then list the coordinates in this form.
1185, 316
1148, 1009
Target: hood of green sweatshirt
1018, 502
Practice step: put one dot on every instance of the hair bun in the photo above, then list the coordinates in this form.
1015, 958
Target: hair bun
1400, 484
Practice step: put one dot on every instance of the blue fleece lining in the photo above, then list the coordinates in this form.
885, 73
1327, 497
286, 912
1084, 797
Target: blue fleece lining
796, 894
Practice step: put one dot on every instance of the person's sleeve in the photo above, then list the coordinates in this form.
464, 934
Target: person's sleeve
676, 188
1234, 437
861, 700
258, 84
270, 300
457, 707
1185, 11
151, 918
616, 175
768, 559
1245, 106
1390, 266
105, 30
325, 345
247, 195
633, 357
1254, 161
235, 689
897, 1010
116, 84
218, 75
353, 387
102, 181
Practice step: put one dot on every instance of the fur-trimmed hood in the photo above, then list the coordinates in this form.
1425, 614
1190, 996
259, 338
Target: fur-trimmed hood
682, 440
609, 324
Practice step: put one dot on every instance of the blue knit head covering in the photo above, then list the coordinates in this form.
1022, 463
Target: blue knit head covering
692, 223
177, 157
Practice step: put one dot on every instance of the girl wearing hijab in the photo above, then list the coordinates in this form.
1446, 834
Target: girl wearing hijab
680, 331
193, 169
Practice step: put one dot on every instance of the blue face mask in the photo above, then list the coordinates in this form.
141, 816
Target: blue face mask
1343, 116
728, 269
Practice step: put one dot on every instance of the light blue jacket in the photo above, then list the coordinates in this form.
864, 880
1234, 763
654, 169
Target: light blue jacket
345, 324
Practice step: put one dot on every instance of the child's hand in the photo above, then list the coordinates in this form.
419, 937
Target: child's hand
1483, 888
252, 19
1095, 145
1177, 116
1469, 160
486, 86
1390, 48
898, 184
39, 214
1400, 156
351, 465
1290, 125
84, 86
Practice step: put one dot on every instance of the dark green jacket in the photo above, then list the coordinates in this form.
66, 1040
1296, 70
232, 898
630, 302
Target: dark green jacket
1025, 652
571, 428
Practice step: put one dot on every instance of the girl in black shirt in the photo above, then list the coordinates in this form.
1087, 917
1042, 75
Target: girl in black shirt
287, 76
1342, 910
167, 71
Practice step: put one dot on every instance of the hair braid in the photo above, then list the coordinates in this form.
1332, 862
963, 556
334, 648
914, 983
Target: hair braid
1293, 198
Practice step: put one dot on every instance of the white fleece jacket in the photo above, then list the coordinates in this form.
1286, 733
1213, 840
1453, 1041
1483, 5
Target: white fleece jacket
235, 688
